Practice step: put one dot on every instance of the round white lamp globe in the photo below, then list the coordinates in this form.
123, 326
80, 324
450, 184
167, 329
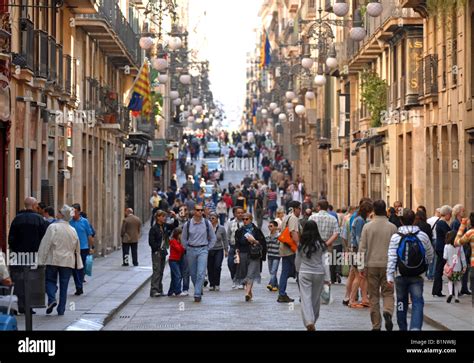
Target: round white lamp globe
276, 111
264, 111
163, 78
195, 101
289, 106
320, 80
290, 95
374, 9
177, 102
340, 8
185, 79
199, 108
307, 63
310, 95
146, 42
300, 110
175, 43
282, 117
159, 64
174, 95
331, 62
273, 105
357, 33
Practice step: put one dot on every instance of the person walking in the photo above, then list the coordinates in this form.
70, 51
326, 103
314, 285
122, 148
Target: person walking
130, 233
273, 252
442, 229
409, 253
158, 239
287, 254
356, 233
313, 272
433, 221
198, 238
60, 252
272, 202
250, 246
373, 247
175, 262
85, 234
464, 237
221, 210
216, 254
456, 263
259, 207
233, 226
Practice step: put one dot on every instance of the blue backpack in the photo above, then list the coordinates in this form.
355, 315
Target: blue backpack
411, 255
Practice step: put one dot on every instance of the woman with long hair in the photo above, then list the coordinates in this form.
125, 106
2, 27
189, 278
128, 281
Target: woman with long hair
312, 272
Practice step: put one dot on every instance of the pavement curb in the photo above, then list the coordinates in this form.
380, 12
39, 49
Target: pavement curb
432, 322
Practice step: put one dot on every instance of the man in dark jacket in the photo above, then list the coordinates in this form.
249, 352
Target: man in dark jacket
26, 231
158, 239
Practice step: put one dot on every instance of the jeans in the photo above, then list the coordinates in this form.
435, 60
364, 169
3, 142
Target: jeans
158, 260
272, 207
197, 262
273, 263
222, 218
287, 270
185, 273
230, 262
414, 287
250, 205
176, 278
78, 274
431, 268
51, 277
126, 256
214, 267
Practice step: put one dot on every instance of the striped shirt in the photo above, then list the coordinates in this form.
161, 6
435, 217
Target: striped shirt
273, 245
462, 239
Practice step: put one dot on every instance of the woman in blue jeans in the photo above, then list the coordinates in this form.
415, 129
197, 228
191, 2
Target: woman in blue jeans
59, 250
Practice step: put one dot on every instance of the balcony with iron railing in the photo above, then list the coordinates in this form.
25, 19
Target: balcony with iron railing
113, 32
428, 76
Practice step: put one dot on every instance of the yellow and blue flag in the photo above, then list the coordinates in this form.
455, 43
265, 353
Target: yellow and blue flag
265, 51
141, 96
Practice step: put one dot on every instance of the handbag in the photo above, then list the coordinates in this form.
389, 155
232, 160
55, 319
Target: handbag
88, 267
285, 237
256, 251
326, 295
448, 270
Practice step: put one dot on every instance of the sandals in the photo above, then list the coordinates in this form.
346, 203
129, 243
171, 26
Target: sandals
356, 306
366, 305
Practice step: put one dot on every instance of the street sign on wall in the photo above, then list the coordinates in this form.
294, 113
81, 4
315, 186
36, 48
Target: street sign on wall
158, 150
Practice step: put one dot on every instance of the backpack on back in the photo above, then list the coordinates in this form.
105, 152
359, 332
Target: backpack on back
411, 255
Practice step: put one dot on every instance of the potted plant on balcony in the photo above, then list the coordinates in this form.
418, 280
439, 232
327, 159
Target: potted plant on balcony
374, 95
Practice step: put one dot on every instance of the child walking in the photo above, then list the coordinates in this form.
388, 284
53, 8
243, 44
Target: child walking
456, 260
176, 261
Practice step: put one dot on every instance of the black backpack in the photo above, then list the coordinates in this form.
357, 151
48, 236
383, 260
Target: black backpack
411, 255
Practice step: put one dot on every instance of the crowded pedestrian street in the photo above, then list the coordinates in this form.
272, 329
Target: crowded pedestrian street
298, 167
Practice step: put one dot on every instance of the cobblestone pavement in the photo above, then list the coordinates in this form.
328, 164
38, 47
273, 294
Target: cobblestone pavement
227, 310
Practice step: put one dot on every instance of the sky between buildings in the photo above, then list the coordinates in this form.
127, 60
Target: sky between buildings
223, 32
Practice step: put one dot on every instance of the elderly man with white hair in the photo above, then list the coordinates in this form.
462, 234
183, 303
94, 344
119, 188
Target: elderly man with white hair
60, 252
130, 233
442, 229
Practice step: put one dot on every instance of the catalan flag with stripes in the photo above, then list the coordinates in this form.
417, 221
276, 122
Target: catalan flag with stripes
141, 96
265, 51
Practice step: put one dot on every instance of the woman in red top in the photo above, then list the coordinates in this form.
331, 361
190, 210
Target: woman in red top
272, 202
176, 261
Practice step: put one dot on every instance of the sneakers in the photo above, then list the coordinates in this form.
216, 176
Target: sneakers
51, 306
156, 294
456, 300
206, 283
234, 286
388, 321
269, 287
197, 299
184, 293
284, 299
345, 302
241, 287
212, 288
217, 288
79, 292
125, 264
274, 289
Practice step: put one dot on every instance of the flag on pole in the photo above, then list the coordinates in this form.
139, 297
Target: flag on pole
141, 93
265, 57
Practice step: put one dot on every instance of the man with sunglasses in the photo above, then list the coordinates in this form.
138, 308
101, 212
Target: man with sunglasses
198, 238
